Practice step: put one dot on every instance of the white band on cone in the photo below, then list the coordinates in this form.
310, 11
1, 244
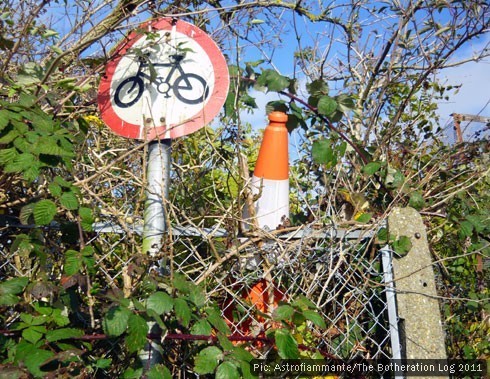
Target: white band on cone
272, 207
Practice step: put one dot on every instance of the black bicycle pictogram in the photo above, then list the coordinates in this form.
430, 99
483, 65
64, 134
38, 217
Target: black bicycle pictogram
189, 88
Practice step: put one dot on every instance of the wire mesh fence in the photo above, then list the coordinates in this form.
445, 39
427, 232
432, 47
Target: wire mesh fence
338, 271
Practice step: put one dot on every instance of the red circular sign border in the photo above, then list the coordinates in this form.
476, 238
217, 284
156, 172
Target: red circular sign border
204, 116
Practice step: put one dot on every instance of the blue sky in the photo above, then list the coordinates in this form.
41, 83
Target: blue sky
472, 98
474, 95
473, 77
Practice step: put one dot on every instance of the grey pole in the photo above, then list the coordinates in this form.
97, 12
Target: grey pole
158, 182
158, 178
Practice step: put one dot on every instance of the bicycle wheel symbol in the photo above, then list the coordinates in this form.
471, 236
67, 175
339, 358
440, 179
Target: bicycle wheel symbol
191, 89
129, 91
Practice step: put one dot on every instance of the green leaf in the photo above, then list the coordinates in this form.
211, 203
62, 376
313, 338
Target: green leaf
44, 212
115, 321
242, 354
62, 182
13, 286
394, 178
88, 257
345, 103
276, 105
315, 318
8, 155
9, 137
49, 146
225, 342
23, 145
326, 105
63, 334
182, 311
197, 296
249, 101
132, 373
35, 359
182, 284
25, 213
293, 122
202, 327
227, 370
103, 363
137, 333
21, 163
342, 148
383, 235
283, 312
159, 372
32, 172
371, 168
160, 302
8, 299
286, 344
402, 245
303, 302
4, 118
33, 333
230, 105
59, 318
22, 245
317, 88
272, 80
363, 218
477, 221
416, 201
465, 229
56, 49
214, 317
87, 218
73, 262
207, 360
322, 152
69, 201
246, 370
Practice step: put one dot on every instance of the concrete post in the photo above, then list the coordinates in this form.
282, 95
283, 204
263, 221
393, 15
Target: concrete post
418, 307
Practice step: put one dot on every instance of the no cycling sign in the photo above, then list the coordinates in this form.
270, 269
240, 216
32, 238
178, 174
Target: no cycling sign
166, 80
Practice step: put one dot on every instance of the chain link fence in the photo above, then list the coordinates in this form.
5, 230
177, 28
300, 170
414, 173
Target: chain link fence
339, 271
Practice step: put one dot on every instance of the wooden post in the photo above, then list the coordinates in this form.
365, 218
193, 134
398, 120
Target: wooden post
457, 127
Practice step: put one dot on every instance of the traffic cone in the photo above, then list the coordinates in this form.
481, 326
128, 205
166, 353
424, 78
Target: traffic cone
271, 176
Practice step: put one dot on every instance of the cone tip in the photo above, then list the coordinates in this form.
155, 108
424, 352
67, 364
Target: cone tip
277, 116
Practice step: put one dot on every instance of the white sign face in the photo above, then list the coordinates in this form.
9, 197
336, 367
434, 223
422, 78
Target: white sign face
165, 84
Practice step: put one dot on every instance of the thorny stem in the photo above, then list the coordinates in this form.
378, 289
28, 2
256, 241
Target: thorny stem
342, 135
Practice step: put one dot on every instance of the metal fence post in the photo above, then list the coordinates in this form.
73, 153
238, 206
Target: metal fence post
387, 260
158, 183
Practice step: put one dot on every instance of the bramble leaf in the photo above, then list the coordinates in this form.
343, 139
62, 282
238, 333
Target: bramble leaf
44, 212
207, 360
326, 105
160, 302
286, 344
115, 321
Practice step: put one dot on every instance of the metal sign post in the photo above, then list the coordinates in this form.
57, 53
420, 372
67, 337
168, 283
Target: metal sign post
158, 178
158, 88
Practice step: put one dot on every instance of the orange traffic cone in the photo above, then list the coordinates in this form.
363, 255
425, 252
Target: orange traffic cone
271, 175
